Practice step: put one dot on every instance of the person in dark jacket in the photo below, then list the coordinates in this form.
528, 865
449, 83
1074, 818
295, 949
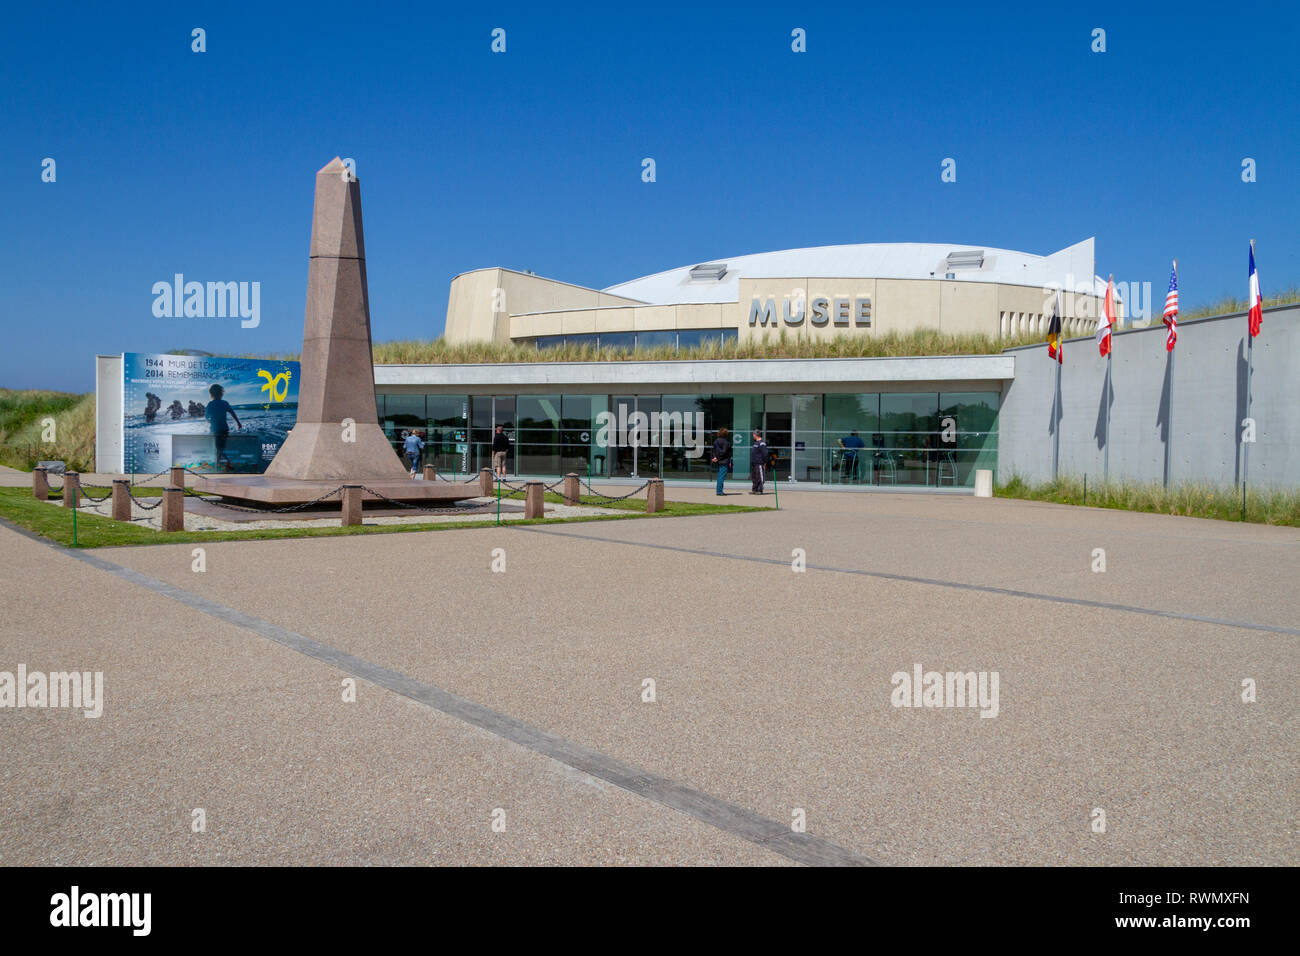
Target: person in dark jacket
500, 448
722, 456
757, 462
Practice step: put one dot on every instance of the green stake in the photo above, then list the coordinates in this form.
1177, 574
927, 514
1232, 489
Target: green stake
498, 501
776, 492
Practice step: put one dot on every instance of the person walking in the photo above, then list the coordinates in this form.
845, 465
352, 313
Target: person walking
722, 456
757, 462
500, 447
414, 445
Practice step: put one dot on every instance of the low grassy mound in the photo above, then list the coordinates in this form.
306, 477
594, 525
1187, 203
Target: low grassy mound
22, 427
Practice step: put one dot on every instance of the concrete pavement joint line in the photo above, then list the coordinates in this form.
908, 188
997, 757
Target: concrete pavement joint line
746, 824
912, 579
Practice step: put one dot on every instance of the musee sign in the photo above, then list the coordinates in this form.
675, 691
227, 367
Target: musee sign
838, 311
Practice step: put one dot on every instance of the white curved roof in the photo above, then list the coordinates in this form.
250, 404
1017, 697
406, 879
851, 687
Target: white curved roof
1069, 268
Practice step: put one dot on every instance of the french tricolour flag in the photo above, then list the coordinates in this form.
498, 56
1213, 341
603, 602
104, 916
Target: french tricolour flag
1256, 303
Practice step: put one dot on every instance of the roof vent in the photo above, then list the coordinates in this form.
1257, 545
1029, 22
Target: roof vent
965, 259
709, 271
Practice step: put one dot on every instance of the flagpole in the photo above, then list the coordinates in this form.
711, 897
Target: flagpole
1250, 373
1169, 419
1056, 398
1105, 476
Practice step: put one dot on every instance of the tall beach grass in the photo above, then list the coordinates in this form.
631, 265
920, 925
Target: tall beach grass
776, 346
1276, 506
22, 416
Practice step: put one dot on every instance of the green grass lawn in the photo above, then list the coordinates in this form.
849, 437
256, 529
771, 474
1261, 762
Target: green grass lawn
1263, 506
93, 531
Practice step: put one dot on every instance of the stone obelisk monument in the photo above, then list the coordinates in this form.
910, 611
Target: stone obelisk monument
337, 439
337, 434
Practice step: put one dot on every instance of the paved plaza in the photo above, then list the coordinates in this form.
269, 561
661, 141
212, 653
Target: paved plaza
499, 716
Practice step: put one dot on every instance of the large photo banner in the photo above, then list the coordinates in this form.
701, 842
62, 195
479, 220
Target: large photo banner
208, 413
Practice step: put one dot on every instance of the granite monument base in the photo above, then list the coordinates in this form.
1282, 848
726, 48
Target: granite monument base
277, 492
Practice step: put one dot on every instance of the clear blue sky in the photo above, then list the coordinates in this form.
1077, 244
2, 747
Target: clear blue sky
172, 161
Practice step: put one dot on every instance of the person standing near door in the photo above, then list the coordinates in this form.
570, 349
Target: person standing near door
722, 456
500, 446
414, 446
757, 462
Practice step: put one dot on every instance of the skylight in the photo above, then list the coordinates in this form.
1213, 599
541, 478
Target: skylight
709, 271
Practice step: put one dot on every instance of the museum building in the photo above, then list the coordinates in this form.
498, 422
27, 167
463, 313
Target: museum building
924, 421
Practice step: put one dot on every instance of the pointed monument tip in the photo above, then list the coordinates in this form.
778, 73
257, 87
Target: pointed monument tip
334, 166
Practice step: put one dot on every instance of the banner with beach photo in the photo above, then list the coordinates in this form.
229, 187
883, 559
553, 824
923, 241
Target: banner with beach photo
208, 413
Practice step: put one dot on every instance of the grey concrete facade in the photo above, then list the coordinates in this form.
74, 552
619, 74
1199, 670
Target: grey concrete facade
739, 375
1206, 395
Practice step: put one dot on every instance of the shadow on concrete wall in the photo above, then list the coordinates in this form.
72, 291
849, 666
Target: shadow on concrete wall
1163, 418
1054, 423
1242, 402
1107, 400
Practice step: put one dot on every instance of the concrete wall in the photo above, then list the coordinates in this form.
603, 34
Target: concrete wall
501, 305
1208, 403
108, 413
480, 303
897, 305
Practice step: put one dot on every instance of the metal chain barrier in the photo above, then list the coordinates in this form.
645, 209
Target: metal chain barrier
96, 504
415, 508
190, 493
141, 481
597, 494
516, 490
86, 494
142, 505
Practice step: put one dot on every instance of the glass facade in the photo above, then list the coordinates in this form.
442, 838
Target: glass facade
924, 439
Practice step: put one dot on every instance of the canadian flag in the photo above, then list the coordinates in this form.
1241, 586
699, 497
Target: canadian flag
1256, 303
1107, 319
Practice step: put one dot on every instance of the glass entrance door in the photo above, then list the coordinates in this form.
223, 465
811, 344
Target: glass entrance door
634, 457
486, 412
778, 422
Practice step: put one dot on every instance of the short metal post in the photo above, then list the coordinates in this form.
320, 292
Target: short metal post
485, 482
571, 491
40, 484
430, 472
177, 477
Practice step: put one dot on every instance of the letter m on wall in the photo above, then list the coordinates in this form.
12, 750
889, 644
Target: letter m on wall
762, 312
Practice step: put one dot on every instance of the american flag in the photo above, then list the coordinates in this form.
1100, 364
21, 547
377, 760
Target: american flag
1171, 310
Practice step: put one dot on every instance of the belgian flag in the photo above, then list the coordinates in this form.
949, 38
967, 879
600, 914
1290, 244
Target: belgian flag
1054, 350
